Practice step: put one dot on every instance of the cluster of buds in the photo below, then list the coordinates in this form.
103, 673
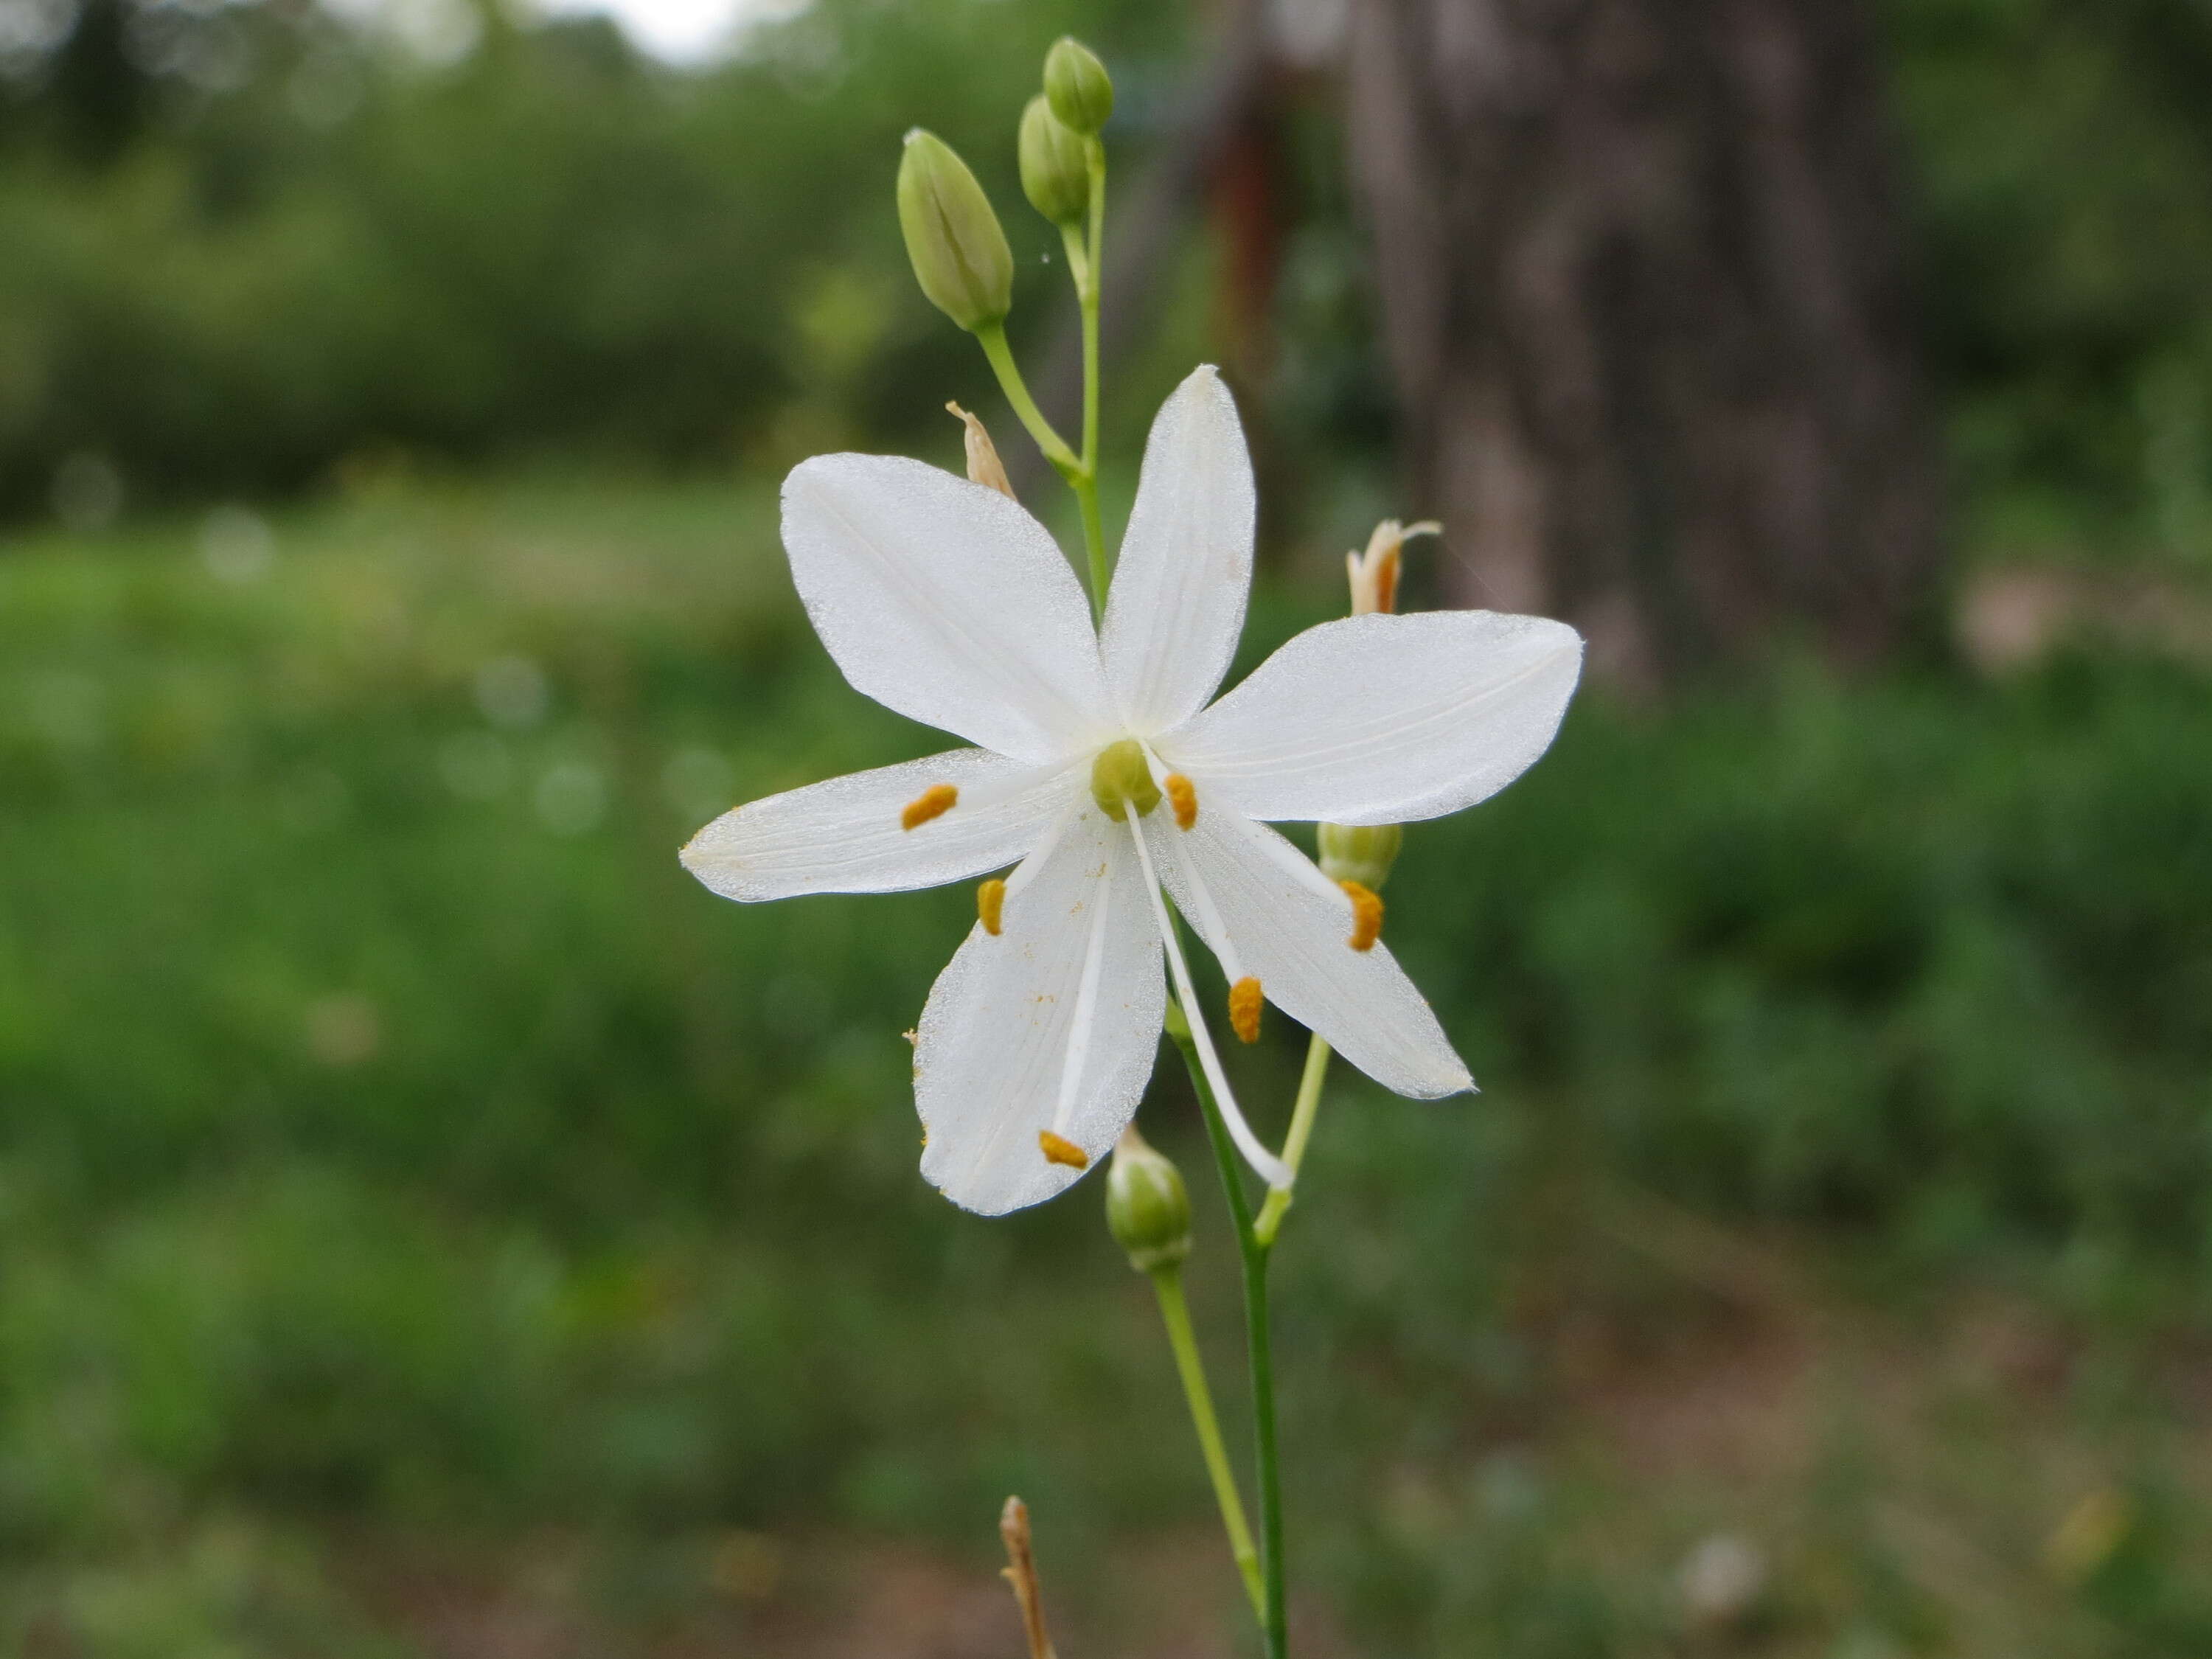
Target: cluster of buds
953, 236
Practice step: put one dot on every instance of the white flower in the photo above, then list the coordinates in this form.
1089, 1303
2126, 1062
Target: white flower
945, 600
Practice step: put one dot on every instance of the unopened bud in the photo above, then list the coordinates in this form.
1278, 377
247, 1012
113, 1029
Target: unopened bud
1055, 172
1147, 1208
959, 253
1081, 91
1362, 853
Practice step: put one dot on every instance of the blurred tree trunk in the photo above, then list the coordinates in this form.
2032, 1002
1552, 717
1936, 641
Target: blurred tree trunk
1644, 291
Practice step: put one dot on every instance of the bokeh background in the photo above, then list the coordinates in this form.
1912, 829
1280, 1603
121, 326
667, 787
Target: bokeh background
432, 1225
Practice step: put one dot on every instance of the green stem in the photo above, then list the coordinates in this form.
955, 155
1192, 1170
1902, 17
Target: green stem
1294, 1148
1084, 268
1092, 294
992, 337
1174, 1313
1273, 1622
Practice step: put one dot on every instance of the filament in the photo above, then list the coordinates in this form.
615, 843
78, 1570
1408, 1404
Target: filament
1271, 1167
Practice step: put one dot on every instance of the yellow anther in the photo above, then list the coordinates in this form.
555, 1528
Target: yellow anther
1245, 1005
1056, 1150
933, 802
1366, 915
990, 903
1182, 795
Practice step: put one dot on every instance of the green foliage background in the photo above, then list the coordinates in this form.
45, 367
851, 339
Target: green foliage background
401, 1162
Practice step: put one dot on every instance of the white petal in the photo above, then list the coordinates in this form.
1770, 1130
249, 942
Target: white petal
1383, 719
1052, 1024
846, 836
1177, 602
945, 600
1287, 923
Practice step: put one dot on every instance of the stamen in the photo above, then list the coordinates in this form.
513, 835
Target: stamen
1057, 1150
1078, 1056
990, 904
1366, 915
1245, 1003
1182, 795
1208, 920
1273, 1170
933, 802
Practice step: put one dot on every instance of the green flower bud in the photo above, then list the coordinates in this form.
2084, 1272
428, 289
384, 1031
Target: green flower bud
1081, 91
1363, 852
1120, 775
1056, 172
1147, 1208
959, 253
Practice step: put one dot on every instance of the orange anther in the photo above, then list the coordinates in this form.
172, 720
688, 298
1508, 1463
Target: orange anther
1182, 795
990, 903
1057, 1150
1245, 1005
1366, 915
933, 802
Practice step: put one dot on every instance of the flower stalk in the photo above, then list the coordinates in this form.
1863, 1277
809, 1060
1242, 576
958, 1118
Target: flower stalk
1269, 1221
992, 337
1175, 1315
1089, 275
950, 605
1259, 1345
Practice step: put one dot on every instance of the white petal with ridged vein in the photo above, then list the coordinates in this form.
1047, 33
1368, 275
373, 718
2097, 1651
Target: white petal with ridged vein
1384, 720
946, 601
1289, 924
1177, 602
1050, 1025
845, 836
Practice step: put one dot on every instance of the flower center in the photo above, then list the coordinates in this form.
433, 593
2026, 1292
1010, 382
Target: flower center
1120, 775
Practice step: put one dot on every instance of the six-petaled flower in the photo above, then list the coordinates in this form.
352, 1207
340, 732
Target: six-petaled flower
1102, 771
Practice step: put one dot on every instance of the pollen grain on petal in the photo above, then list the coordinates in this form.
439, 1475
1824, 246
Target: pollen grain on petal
1182, 795
1058, 1149
1366, 915
931, 803
990, 904
1245, 1003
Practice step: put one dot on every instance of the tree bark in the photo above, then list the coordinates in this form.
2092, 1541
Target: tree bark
1645, 294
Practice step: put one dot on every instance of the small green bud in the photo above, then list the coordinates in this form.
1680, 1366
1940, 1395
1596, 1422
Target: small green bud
1118, 775
1362, 853
1056, 172
1147, 1208
959, 253
1081, 91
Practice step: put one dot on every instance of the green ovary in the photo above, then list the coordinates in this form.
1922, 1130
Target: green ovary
1119, 778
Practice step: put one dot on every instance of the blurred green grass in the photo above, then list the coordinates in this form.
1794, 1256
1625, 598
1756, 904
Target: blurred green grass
399, 1153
